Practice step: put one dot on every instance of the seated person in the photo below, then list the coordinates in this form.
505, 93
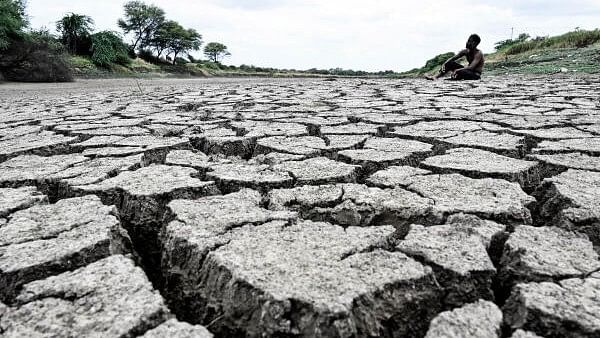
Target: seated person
460, 72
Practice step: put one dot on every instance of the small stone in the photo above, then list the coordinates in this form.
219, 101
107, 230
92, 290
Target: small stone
109, 298
482, 319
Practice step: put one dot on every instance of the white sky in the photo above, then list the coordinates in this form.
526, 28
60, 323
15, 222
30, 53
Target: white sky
352, 34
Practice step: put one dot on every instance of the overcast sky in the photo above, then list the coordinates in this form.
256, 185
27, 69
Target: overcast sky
353, 34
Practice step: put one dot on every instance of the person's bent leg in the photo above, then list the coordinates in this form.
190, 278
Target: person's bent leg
466, 74
448, 67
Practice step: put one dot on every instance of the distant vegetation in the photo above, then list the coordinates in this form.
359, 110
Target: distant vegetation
575, 39
150, 43
27, 55
577, 50
216, 51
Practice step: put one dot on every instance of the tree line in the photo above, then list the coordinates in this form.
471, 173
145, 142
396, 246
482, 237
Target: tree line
37, 55
153, 37
28, 55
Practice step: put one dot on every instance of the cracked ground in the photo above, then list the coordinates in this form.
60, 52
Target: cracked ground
301, 208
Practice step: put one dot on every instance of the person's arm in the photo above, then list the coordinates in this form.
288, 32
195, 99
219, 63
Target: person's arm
454, 58
457, 56
476, 61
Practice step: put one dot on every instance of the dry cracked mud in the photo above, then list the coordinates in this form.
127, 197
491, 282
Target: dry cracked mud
300, 208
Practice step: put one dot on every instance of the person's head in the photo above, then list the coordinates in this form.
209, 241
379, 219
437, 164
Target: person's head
473, 41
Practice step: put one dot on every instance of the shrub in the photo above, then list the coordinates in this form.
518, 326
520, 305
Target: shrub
210, 65
575, 39
436, 62
108, 48
35, 57
148, 56
180, 61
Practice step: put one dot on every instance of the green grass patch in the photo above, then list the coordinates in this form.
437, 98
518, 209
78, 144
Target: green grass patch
82, 62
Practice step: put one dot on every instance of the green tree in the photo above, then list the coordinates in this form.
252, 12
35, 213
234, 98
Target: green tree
74, 30
28, 56
142, 21
182, 40
216, 51
12, 21
164, 35
109, 48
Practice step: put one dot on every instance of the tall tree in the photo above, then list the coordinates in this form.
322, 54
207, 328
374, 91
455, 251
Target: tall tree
142, 21
109, 48
183, 40
12, 20
161, 40
216, 51
74, 28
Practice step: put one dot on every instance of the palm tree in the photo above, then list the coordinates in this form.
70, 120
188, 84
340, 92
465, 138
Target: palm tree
73, 28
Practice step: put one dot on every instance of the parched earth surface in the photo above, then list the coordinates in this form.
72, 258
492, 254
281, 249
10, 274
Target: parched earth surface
301, 208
